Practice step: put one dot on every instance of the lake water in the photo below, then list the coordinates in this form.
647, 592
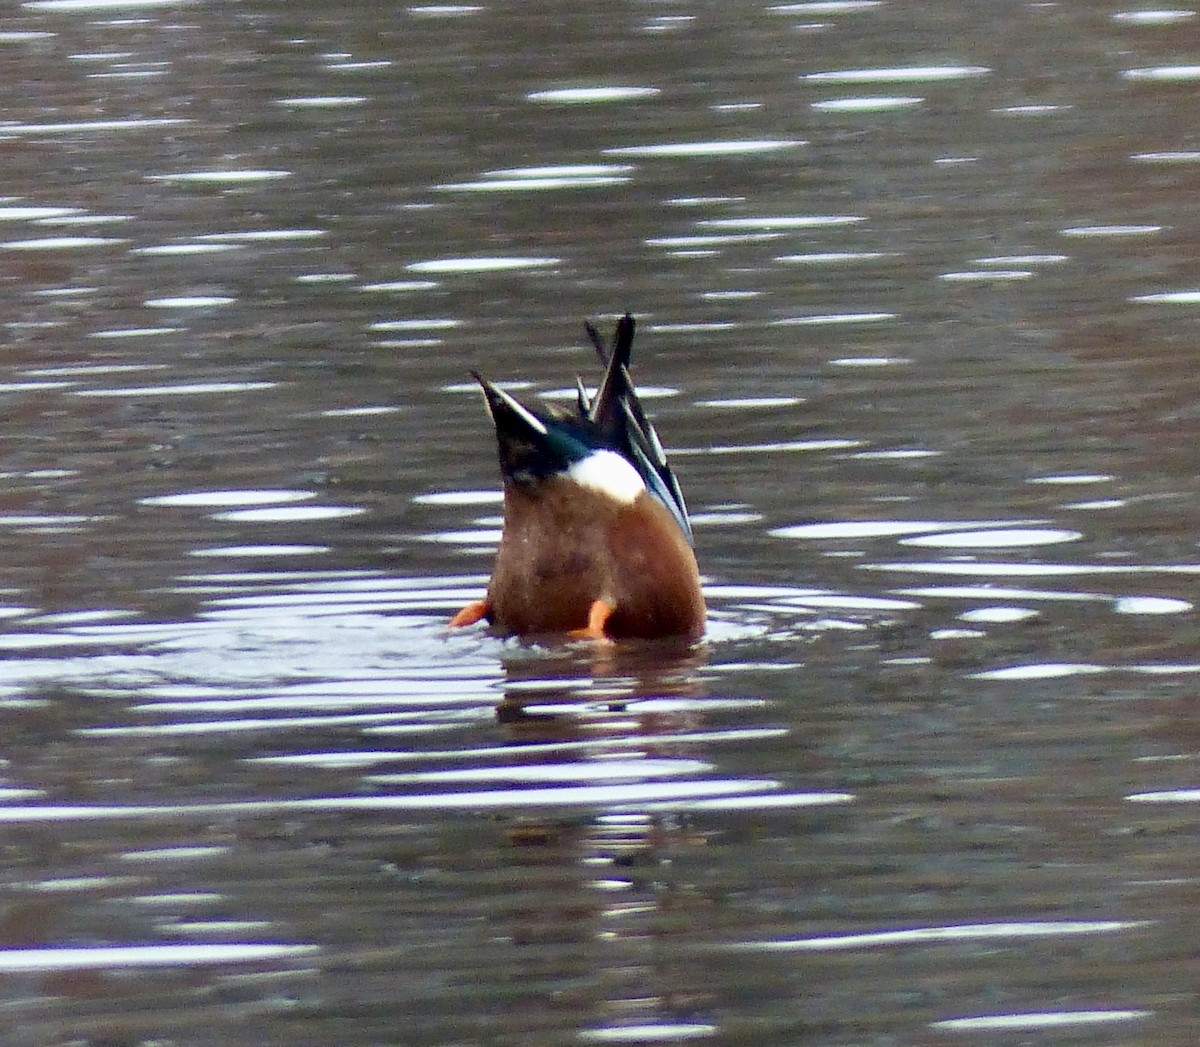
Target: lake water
919, 309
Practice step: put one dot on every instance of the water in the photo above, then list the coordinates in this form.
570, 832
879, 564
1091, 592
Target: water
918, 303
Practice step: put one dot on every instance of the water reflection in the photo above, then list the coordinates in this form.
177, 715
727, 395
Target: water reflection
930, 376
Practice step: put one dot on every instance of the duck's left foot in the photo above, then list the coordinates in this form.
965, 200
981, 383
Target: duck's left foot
474, 612
598, 616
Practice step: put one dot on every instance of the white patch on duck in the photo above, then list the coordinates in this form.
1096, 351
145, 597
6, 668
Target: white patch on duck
610, 474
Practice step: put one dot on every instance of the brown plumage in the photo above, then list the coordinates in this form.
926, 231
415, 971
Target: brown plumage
596, 540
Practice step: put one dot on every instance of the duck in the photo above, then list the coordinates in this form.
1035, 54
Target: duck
596, 541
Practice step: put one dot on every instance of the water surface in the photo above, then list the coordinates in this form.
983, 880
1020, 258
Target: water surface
918, 308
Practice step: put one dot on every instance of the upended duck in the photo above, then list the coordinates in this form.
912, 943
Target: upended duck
596, 540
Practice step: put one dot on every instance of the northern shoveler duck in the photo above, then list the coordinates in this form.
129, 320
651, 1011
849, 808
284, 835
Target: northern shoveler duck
596, 540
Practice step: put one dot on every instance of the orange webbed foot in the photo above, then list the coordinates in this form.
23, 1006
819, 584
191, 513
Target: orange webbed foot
474, 612
598, 616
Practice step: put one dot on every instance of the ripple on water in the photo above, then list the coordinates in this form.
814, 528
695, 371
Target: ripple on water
998, 615
592, 95
741, 403
195, 301
898, 74
445, 10
539, 179
497, 264
783, 222
1040, 1020
1169, 297
844, 529
868, 104
225, 498
60, 243
1150, 605
1164, 73
261, 550
225, 177
789, 445
289, 514
649, 1032
23, 213
194, 389
1031, 570
833, 319
999, 538
1009, 930
124, 957
825, 7
1153, 17
322, 101
705, 150
85, 126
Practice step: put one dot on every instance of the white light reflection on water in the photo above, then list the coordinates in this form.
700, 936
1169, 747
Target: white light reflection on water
790, 445
322, 101
274, 724
1084, 231
826, 6
870, 361
884, 528
264, 235
221, 177
591, 95
994, 538
535, 179
60, 243
183, 249
991, 592
833, 319
1166, 796
1040, 1020
135, 332
741, 403
898, 74
702, 150
652, 1032
1060, 670
359, 759
774, 222
834, 257
27, 961
74, 127
1031, 570
221, 498
1072, 478
460, 498
1150, 605
590, 771
1169, 297
868, 104
489, 536
20, 213
575, 797
954, 933
997, 615
195, 389
481, 265
445, 10
195, 301
688, 241
1170, 73
261, 550
645, 392
1166, 16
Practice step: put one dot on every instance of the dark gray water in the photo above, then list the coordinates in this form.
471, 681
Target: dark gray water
918, 307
